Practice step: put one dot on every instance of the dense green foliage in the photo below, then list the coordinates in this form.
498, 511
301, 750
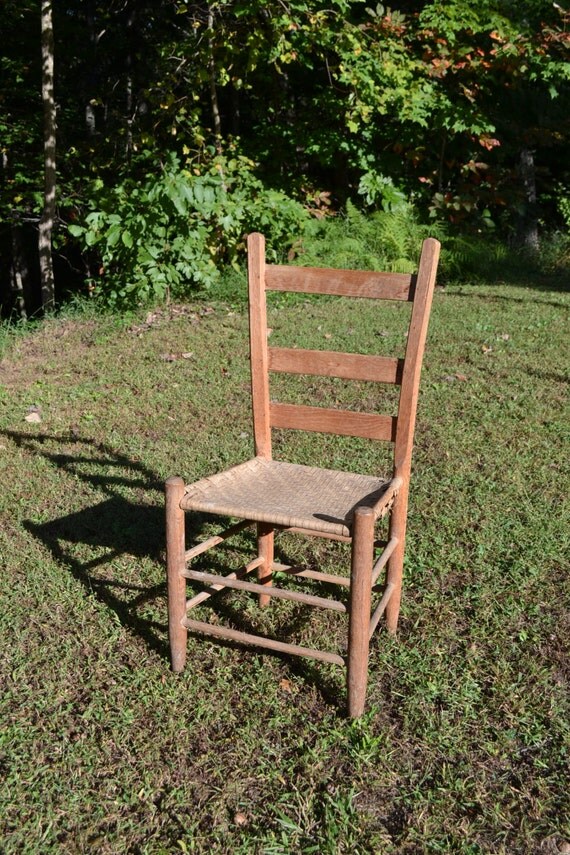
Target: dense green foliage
460, 109
173, 230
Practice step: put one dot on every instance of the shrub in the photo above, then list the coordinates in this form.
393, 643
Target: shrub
176, 230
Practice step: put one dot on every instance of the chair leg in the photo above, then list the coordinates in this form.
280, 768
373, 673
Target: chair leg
175, 565
359, 615
396, 561
265, 544
394, 575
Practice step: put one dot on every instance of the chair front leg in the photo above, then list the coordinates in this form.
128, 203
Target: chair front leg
175, 566
359, 614
265, 549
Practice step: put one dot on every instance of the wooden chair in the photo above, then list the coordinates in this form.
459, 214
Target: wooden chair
276, 496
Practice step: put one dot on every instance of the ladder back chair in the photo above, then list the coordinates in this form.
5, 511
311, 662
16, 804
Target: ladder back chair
275, 496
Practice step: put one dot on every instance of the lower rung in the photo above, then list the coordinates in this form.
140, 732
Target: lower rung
261, 641
269, 590
381, 607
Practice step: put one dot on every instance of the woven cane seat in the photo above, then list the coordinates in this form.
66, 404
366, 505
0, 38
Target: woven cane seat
285, 494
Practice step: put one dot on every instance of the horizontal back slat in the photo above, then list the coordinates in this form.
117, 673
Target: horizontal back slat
342, 422
347, 283
329, 363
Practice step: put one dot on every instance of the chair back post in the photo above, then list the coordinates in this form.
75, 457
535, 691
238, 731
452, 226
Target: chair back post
258, 344
425, 284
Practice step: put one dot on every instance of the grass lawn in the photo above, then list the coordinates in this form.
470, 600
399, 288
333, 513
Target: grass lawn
465, 745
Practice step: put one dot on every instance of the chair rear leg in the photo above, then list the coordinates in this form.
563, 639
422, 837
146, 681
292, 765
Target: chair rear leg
359, 615
396, 561
175, 566
265, 548
394, 575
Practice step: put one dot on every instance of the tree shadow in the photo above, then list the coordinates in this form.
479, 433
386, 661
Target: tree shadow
118, 526
471, 292
287, 629
527, 272
110, 529
549, 376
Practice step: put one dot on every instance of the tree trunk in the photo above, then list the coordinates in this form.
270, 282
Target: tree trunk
213, 89
528, 222
19, 272
129, 81
48, 214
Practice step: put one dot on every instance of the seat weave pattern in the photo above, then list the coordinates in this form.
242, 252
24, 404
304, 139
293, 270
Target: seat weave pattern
286, 494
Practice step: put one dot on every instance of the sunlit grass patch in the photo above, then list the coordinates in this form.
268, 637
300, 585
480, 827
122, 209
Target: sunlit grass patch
464, 747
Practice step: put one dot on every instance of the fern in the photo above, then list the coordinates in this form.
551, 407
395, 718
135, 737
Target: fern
391, 240
380, 241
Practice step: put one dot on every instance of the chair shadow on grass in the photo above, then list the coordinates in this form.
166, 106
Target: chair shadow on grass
117, 527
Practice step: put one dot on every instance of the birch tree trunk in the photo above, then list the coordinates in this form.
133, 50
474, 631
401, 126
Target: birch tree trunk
48, 214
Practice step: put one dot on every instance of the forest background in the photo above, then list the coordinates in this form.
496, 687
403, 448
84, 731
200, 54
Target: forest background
171, 129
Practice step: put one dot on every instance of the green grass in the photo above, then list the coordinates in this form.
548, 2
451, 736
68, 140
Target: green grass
464, 748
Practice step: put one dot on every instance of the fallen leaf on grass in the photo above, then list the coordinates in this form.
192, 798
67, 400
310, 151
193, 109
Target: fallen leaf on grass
173, 357
286, 685
240, 818
451, 378
161, 315
33, 414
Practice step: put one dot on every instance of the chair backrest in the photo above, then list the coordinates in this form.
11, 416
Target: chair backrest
416, 288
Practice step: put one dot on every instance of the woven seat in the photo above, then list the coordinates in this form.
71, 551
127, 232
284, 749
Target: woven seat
275, 495
286, 494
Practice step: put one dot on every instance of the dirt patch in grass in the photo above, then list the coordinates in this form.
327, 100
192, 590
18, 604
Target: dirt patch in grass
46, 351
